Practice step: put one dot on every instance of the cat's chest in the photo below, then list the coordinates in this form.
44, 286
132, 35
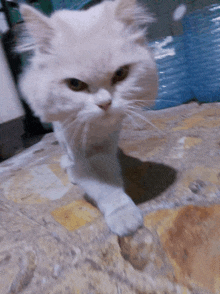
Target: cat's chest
95, 145
104, 147
92, 139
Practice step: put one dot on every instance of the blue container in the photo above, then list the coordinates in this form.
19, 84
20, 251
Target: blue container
69, 4
202, 44
173, 72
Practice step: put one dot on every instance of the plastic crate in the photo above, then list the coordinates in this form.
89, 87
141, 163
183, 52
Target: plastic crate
172, 72
202, 47
70, 4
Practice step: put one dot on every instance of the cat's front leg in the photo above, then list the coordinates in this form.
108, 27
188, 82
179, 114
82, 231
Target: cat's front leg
122, 216
68, 165
67, 160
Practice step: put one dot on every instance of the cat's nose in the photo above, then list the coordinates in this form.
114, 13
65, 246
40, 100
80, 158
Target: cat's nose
105, 106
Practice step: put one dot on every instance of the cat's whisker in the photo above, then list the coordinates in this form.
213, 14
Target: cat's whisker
165, 100
136, 108
73, 128
69, 121
134, 89
144, 119
78, 129
84, 135
67, 127
130, 117
70, 136
139, 103
139, 100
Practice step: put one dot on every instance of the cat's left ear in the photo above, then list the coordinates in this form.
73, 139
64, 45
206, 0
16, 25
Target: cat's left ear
130, 12
125, 10
38, 26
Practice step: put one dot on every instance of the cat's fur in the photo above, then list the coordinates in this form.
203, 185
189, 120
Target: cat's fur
91, 46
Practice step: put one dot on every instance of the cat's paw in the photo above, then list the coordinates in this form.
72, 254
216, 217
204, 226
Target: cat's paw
125, 220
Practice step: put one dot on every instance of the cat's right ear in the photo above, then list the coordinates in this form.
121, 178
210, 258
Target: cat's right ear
38, 26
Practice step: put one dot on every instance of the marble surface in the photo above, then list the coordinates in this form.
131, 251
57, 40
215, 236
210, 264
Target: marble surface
52, 241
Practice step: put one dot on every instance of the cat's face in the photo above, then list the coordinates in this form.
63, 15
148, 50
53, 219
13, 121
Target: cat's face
91, 65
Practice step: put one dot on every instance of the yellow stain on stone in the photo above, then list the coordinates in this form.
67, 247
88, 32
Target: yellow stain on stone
59, 172
191, 142
190, 122
217, 284
183, 290
35, 184
202, 173
161, 123
190, 237
209, 118
17, 188
154, 145
143, 148
76, 214
56, 158
210, 113
160, 219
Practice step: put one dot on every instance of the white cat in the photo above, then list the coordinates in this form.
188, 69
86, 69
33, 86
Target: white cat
88, 71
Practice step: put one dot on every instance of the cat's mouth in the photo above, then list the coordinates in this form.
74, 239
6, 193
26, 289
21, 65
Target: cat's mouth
107, 115
112, 118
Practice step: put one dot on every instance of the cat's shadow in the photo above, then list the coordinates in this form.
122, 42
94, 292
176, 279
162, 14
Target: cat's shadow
145, 180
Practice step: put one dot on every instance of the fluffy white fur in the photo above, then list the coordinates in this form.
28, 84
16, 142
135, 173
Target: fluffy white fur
91, 46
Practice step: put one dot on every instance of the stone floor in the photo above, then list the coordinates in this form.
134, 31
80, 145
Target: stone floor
53, 242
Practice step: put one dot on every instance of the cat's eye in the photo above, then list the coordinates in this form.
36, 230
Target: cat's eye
120, 75
76, 85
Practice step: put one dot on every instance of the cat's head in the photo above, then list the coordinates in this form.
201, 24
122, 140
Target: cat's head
88, 64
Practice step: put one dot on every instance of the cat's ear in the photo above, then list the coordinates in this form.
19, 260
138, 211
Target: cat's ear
131, 13
38, 26
125, 10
